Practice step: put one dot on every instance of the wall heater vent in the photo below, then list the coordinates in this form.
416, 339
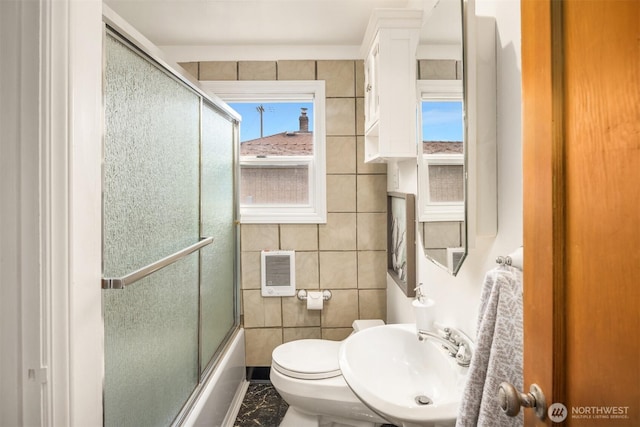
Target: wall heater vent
278, 273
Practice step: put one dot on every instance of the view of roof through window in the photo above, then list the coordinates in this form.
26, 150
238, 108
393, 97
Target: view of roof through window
274, 131
275, 128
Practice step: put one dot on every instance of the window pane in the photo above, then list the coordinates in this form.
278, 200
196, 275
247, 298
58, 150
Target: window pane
276, 128
281, 150
442, 127
272, 185
446, 183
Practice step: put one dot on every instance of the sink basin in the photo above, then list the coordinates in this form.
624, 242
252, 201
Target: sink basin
407, 381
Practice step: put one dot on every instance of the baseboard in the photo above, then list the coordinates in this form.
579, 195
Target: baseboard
258, 374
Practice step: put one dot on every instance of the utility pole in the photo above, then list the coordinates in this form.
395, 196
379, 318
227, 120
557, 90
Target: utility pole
260, 110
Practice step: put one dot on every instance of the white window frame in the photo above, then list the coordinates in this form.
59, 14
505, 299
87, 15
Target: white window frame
315, 212
437, 90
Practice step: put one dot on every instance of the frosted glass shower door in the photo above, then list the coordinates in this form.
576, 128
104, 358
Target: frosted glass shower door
151, 210
168, 184
218, 215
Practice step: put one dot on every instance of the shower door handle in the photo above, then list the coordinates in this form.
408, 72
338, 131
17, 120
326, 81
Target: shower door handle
122, 282
510, 400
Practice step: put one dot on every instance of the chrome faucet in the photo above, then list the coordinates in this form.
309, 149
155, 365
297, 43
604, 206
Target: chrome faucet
453, 340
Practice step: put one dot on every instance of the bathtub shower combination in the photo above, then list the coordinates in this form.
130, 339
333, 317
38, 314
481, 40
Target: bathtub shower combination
169, 239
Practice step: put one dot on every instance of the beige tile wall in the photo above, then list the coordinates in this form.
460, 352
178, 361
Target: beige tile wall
438, 236
347, 254
439, 69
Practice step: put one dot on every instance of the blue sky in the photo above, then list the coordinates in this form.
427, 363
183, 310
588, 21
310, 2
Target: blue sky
277, 117
442, 121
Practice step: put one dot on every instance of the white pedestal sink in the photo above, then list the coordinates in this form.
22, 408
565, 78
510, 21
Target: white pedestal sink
407, 381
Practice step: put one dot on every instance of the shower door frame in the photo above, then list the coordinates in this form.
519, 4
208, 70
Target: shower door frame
113, 24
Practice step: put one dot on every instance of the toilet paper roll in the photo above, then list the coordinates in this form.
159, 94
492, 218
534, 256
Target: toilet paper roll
314, 300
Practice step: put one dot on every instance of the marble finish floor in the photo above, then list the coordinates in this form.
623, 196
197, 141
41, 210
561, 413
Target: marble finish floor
263, 406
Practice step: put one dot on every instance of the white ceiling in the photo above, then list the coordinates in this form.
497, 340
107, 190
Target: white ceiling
197, 26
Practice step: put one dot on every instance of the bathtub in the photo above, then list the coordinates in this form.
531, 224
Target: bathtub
219, 401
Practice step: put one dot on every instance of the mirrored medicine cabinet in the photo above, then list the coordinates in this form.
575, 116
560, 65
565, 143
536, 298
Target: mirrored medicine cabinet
442, 139
456, 105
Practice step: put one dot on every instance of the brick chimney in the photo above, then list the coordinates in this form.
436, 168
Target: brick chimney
304, 120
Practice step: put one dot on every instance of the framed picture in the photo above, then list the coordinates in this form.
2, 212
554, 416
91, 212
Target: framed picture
401, 240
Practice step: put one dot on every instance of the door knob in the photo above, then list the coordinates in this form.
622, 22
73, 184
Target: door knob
511, 400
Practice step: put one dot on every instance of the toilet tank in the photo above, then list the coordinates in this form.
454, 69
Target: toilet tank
361, 324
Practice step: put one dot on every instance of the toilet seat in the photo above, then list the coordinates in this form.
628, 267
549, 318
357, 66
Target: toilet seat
308, 359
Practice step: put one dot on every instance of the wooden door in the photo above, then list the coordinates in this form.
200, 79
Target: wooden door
581, 160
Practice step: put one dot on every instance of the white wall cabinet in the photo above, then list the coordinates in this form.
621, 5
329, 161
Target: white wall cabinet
389, 51
371, 97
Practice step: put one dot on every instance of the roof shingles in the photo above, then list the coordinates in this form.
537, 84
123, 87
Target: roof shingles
442, 147
279, 144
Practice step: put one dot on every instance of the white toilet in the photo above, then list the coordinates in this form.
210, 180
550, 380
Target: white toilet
307, 375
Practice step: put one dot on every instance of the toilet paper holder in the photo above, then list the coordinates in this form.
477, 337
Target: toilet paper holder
302, 295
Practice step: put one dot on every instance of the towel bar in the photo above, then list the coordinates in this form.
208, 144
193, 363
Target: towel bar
504, 260
515, 259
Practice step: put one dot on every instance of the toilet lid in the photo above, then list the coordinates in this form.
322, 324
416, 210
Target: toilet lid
308, 359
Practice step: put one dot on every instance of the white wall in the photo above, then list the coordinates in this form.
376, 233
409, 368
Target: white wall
457, 298
50, 250
19, 221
